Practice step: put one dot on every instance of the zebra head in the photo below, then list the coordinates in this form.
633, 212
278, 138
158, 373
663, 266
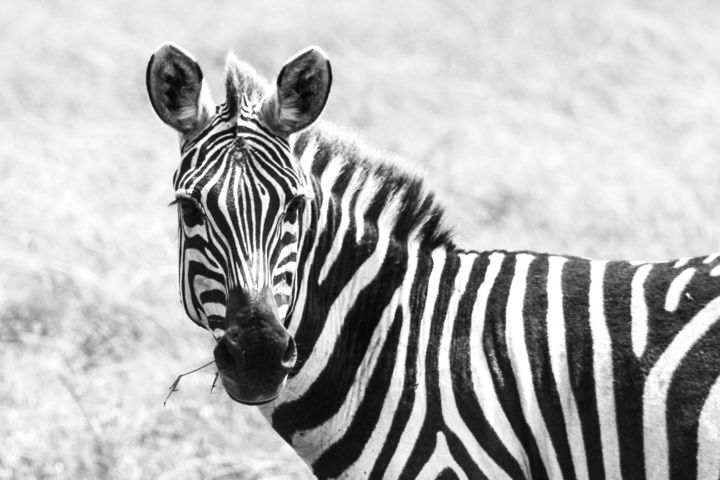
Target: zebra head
241, 199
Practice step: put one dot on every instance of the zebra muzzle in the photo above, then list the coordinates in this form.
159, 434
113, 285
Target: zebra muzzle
254, 360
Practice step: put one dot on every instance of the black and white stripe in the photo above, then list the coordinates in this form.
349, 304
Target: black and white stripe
420, 360
504, 364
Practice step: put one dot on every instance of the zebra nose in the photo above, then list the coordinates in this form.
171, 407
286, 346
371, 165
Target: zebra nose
243, 349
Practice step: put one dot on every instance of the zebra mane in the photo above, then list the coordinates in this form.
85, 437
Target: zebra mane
242, 79
419, 213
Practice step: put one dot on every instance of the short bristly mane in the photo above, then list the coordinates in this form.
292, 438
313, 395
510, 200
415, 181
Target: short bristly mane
242, 79
418, 209
419, 212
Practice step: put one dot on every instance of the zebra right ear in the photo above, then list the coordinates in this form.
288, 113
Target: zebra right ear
177, 90
302, 90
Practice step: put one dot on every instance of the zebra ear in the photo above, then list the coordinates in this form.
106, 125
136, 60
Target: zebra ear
177, 90
301, 93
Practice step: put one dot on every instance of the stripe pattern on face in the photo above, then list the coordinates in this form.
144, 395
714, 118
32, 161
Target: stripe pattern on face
241, 199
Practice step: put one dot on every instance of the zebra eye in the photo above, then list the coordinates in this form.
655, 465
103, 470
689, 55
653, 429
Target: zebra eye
293, 208
191, 213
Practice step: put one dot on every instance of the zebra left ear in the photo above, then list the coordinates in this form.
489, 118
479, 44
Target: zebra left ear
302, 90
177, 90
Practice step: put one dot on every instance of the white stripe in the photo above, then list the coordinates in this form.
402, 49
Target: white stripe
311, 444
708, 458
212, 228
308, 155
440, 459
447, 398
638, 310
302, 291
657, 384
711, 258
191, 255
557, 345
214, 309
343, 227
481, 373
603, 372
367, 272
415, 422
674, 294
363, 465
239, 263
329, 177
715, 271
520, 360
681, 262
364, 199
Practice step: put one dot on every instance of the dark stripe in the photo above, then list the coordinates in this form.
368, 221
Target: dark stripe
497, 356
692, 381
448, 474
689, 388
662, 325
320, 298
461, 455
213, 296
201, 151
631, 379
351, 445
290, 257
306, 242
536, 339
327, 393
576, 305
417, 305
461, 374
433, 421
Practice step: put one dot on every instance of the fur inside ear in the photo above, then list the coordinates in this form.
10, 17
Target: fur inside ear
302, 90
177, 90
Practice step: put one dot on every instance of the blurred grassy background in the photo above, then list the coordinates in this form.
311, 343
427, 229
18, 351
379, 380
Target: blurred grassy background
579, 127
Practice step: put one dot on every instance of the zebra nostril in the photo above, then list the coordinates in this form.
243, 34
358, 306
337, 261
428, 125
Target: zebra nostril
225, 355
232, 336
289, 356
231, 349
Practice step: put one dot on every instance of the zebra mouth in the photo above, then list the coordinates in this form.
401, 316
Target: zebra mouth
234, 389
248, 381
252, 403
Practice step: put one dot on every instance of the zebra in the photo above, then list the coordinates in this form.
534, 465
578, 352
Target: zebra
377, 348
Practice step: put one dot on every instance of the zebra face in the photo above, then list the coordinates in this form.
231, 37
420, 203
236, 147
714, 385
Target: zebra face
242, 199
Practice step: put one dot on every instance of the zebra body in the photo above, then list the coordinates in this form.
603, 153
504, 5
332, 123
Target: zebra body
416, 359
502, 364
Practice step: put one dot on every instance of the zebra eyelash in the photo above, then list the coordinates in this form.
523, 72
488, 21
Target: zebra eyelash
180, 201
191, 210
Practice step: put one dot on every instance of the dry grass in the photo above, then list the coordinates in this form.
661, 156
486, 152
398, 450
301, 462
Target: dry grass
580, 127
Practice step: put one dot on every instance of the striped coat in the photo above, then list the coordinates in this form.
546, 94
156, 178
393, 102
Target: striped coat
378, 349
498, 364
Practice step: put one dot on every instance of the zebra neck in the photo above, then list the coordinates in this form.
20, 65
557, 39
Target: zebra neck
366, 220
354, 319
373, 232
